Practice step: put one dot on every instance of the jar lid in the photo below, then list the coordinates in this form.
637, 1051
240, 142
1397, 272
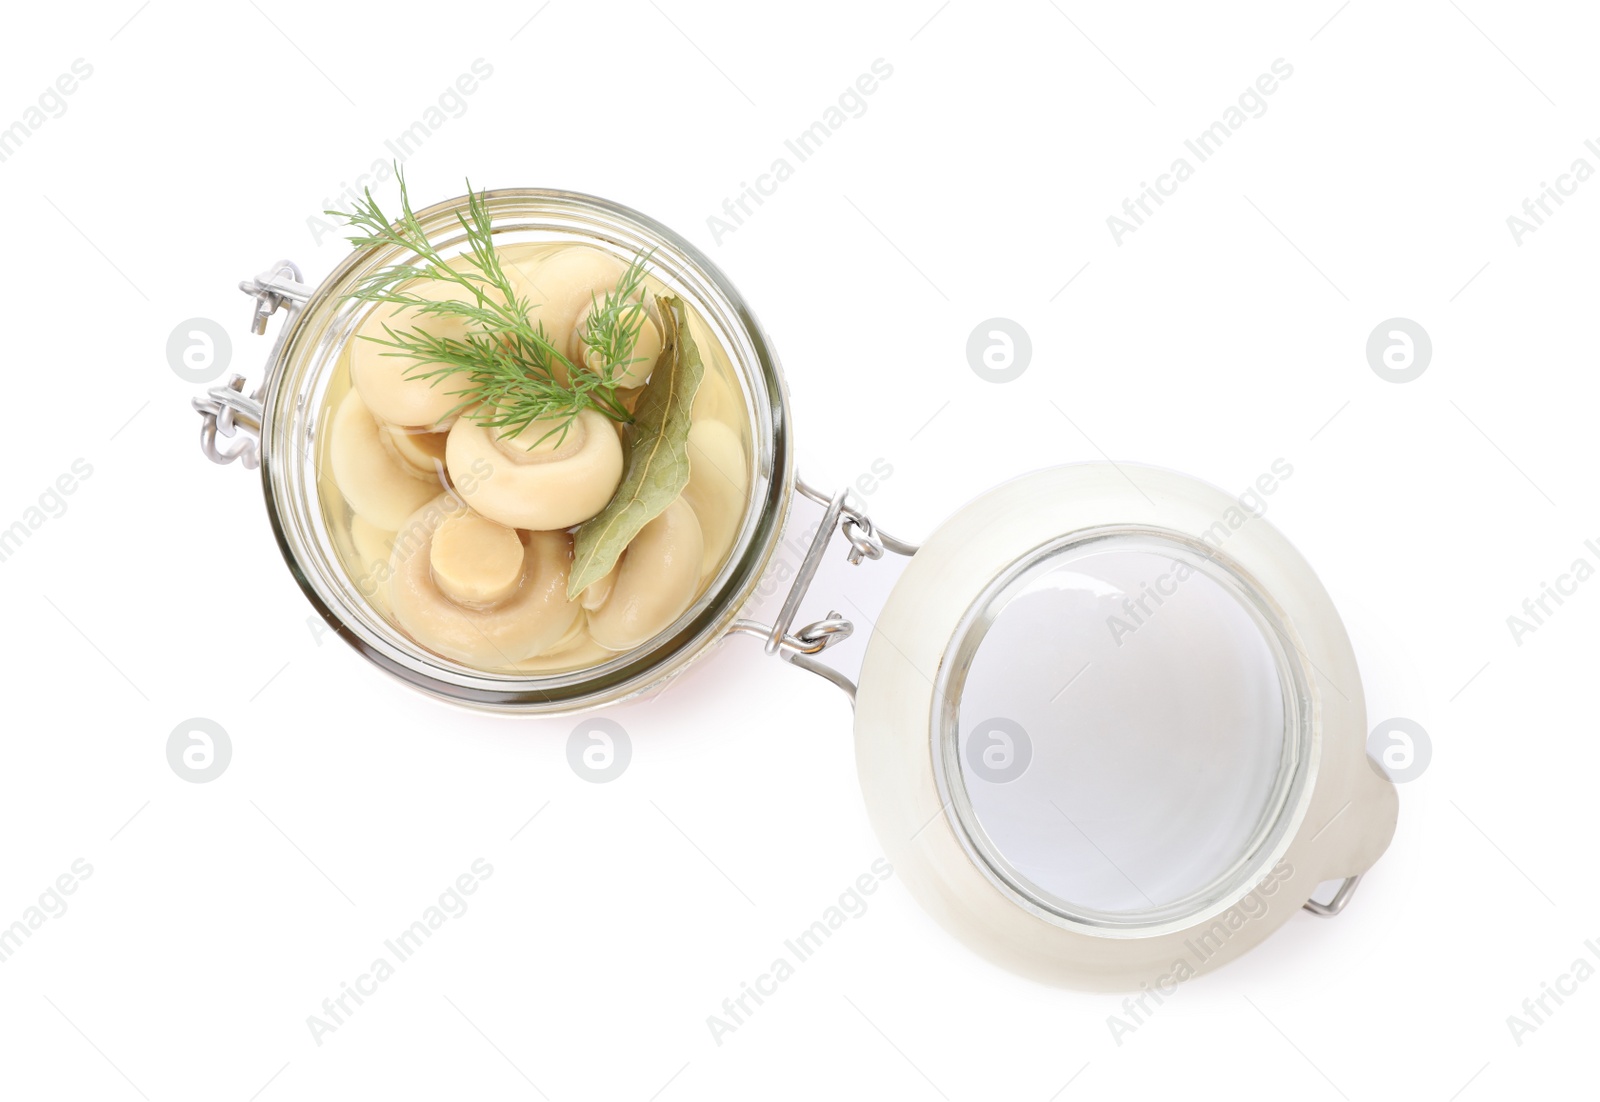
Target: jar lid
1110, 728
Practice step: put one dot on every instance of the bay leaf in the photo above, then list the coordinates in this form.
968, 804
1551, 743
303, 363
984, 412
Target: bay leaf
658, 459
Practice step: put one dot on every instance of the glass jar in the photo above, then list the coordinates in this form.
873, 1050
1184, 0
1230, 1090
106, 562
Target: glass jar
293, 402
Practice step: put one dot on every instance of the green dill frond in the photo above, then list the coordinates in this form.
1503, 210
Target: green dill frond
616, 320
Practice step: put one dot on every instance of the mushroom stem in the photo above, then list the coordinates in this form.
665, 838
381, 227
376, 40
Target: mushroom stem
476, 562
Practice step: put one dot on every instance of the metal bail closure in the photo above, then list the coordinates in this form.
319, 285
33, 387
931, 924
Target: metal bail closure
799, 645
227, 409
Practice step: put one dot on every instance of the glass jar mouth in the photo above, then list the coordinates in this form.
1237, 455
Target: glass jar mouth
304, 365
1057, 862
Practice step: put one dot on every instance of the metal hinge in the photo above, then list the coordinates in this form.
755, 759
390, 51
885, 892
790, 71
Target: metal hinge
1340, 898
227, 411
798, 645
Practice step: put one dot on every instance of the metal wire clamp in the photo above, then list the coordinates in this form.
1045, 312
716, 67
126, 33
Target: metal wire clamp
227, 409
798, 645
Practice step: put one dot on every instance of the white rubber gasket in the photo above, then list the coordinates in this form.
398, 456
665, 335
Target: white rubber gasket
1338, 823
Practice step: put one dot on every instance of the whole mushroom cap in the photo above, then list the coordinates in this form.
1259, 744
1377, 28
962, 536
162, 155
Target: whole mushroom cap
375, 484
647, 344
532, 615
718, 489
526, 482
564, 285
657, 577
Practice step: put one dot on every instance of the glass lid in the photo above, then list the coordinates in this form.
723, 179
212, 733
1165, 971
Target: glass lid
1122, 729
1110, 728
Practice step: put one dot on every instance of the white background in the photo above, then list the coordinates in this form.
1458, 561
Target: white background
1228, 331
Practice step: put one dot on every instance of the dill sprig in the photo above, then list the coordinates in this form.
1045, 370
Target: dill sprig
615, 321
510, 373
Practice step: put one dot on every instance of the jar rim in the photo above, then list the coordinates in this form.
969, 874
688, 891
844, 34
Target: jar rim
299, 373
1252, 854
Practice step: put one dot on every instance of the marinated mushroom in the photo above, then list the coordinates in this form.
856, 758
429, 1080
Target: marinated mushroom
534, 480
657, 577
716, 400
564, 286
577, 635
718, 483
392, 385
416, 450
598, 590
377, 486
475, 591
372, 547
641, 358
372, 543
585, 652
